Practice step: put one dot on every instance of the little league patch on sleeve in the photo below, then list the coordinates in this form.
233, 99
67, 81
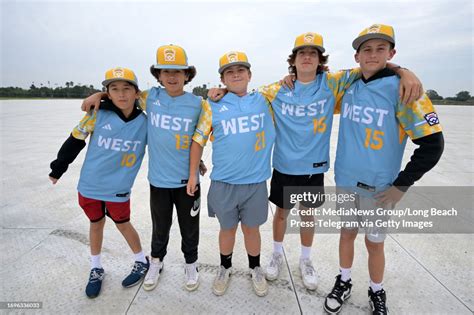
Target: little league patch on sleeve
432, 118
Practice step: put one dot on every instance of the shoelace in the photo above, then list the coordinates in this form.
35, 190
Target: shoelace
258, 274
275, 261
191, 272
222, 273
136, 267
338, 290
94, 275
154, 267
379, 303
309, 269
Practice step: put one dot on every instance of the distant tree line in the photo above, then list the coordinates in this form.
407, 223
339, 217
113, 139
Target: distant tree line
69, 91
461, 96
80, 91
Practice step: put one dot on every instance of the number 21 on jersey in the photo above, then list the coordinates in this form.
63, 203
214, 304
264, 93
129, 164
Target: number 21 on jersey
260, 143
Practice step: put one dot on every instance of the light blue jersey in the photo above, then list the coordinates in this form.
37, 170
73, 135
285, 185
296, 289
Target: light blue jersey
171, 124
243, 132
303, 118
374, 127
113, 157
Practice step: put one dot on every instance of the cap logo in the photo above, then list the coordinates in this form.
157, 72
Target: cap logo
170, 55
118, 73
308, 38
374, 29
232, 57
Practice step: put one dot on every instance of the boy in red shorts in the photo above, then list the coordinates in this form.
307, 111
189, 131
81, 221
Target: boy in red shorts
116, 148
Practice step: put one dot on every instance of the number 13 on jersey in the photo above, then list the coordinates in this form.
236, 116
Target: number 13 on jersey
182, 142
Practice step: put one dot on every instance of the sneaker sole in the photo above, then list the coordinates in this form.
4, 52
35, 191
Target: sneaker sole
260, 294
271, 278
220, 293
339, 310
191, 288
134, 284
310, 287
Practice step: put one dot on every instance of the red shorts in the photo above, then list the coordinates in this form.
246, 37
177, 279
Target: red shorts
95, 209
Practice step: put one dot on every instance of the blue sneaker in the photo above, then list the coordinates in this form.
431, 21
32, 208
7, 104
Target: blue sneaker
95, 282
138, 273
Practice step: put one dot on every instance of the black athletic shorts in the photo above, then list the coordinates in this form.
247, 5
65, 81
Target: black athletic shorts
313, 184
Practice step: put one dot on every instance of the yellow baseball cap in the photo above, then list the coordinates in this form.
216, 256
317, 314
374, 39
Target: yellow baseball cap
309, 39
376, 31
120, 74
171, 57
233, 58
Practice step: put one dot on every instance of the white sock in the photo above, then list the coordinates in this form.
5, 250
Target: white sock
345, 273
278, 247
95, 261
140, 257
376, 286
305, 252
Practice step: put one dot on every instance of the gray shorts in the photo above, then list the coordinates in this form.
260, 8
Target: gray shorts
373, 231
247, 203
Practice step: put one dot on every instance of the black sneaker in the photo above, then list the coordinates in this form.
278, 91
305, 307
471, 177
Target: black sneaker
95, 282
138, 273
377, 302
339, 293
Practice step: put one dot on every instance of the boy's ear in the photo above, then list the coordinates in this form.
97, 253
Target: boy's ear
356, 57
250, 75
391, 53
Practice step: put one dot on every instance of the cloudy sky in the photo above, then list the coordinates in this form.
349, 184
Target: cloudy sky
59, 41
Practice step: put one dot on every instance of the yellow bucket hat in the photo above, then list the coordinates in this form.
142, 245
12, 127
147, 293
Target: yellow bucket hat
309, 39
376, 31
120, 74
171, 57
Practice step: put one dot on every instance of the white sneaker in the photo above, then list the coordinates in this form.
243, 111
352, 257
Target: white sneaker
259, 283
153, 274
273, 269
221, 282
192, 277
308, 274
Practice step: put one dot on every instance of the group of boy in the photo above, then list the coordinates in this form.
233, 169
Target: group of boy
292, 126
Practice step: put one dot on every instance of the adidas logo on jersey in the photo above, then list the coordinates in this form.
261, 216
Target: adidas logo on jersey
157, 103
223, 109
351, 92
290, 94
108, 127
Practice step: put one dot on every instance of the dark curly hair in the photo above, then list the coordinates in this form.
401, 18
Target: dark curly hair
323, 60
